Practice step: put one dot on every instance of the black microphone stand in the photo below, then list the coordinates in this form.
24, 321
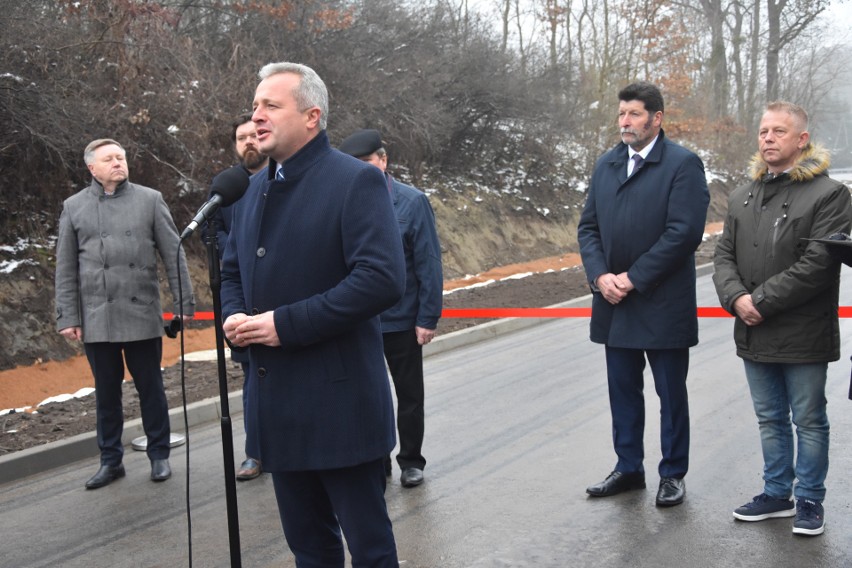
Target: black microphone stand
210, 240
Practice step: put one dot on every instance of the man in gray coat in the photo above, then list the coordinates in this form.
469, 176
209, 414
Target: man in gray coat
108, 297
783, 289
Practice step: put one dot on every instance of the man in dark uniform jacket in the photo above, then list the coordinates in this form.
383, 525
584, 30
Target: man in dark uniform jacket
411, 323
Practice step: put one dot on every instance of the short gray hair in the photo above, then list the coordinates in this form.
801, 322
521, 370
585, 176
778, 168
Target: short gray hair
89, 152
311, 91
794, 110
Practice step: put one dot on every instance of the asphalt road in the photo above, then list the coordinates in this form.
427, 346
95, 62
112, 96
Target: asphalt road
517, 427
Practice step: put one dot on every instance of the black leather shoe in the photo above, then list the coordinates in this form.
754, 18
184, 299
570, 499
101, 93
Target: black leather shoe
617, 482
249, 469
105, 475
671, 492
160, 470
411, 477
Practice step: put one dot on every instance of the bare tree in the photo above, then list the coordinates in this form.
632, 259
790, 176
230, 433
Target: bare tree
714, 13
786, 20
449, 88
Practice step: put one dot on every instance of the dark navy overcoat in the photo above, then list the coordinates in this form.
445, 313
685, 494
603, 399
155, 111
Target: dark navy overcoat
321, 249
648, 225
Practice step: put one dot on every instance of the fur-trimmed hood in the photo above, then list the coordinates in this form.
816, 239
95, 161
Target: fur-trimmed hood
814, 161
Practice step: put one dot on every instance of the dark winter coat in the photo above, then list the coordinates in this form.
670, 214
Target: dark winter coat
321, 250
648, 225
764, 251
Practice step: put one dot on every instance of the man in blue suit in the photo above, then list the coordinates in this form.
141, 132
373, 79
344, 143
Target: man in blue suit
313, 257
643, 219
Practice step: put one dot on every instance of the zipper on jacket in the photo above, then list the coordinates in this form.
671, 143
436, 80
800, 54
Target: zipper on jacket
776, 228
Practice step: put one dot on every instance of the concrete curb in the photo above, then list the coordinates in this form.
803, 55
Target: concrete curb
42, 458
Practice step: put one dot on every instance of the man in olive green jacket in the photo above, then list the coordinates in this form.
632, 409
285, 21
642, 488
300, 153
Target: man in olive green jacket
783, 290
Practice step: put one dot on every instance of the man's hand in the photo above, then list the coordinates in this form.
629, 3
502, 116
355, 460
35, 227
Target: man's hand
424, 335
230, 328
242, 330
74, 333
745, 310
613, 288
625, 282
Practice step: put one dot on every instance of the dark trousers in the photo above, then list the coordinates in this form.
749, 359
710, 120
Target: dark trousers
625, 377
316, 505
143, 361
252, 450
405, 361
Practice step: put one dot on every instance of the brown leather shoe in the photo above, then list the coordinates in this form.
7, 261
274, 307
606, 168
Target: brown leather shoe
617, 482
249, 469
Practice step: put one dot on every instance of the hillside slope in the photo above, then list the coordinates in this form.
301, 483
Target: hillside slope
479, 229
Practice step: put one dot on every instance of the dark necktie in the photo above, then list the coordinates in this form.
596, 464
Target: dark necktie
637, 163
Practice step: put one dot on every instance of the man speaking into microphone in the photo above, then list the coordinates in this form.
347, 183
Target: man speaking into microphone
313, 257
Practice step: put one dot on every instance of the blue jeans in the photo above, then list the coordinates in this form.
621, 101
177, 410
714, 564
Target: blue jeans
776, 390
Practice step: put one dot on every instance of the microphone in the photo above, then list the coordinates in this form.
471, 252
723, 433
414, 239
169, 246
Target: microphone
227, 189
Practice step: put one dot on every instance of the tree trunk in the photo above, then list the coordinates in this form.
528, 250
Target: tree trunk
718, 62
773, 18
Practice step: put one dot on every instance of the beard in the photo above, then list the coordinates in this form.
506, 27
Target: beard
252, 159
638, 137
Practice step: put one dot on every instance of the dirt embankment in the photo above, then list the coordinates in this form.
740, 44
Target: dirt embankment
27, 385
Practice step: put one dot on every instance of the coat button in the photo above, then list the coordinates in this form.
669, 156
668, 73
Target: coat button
254, 311
261, 252
261, 372
104, 234
133, 299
